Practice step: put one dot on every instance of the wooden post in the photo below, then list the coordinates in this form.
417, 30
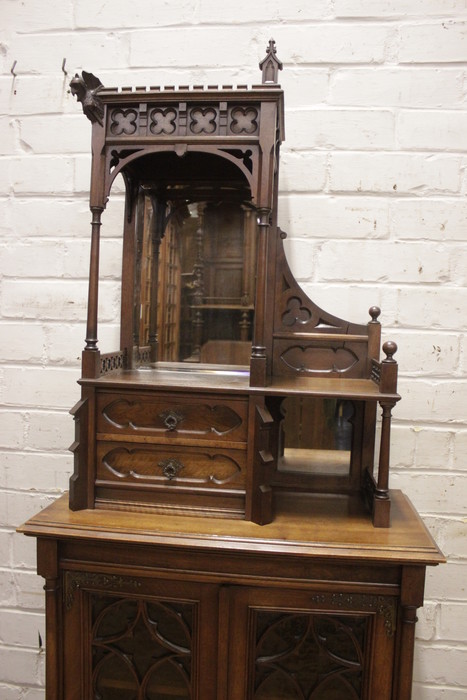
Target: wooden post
47, 567
258, 372
91, 328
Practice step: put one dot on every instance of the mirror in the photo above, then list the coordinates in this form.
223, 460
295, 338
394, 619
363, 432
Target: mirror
195, 271
315, 435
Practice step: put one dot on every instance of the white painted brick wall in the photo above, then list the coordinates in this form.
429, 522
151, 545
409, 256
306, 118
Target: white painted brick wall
372, 194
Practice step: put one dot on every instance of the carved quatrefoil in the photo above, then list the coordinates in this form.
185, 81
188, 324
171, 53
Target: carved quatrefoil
244, 120
123, 121
163, 121
203, 120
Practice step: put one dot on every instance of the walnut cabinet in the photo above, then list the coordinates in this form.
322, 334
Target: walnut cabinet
317, 604
229, 532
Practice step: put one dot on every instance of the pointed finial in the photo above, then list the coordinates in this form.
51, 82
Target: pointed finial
270, 65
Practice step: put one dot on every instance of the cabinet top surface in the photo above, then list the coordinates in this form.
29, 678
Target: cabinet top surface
305, 525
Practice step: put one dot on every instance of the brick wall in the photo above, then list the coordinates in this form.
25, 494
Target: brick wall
373, 192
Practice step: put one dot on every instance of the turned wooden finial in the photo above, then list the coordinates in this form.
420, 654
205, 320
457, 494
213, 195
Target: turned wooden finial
374, 312
389, 349
270, 65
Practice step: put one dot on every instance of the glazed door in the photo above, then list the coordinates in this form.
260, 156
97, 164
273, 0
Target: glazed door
303, 645
133, 638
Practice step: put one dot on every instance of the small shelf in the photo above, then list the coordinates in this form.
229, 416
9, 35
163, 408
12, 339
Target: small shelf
235, 378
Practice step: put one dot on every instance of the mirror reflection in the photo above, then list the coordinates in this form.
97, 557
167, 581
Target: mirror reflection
315, 435
195, 291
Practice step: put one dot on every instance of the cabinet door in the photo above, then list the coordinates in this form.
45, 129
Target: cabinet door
132, 638
299, 645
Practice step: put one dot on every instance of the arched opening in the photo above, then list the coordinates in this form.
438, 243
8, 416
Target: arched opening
193, 230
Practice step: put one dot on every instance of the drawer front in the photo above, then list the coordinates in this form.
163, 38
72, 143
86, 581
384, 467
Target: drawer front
195, 417
157, 465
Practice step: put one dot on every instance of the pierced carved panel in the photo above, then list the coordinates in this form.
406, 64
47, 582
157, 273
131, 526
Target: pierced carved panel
302, 655
203, 120
244, 120
141, 648
182, 119
163, 120
123, 121
112, 361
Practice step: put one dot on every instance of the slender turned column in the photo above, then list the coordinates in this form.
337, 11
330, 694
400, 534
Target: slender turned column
91, 328
383, 469
387, 385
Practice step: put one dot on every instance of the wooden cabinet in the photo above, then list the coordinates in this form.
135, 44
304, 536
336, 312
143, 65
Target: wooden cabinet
228, 534
163, 606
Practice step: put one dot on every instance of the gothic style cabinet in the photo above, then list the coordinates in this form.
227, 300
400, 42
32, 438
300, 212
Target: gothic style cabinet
227, 534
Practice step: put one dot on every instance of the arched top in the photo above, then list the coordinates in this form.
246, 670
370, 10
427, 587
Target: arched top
189, 173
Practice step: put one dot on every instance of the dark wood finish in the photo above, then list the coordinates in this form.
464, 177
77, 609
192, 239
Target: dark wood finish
205, 280
320, 558
233, 396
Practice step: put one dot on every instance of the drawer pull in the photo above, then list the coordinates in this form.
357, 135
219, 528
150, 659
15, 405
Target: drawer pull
170, 467
171, 419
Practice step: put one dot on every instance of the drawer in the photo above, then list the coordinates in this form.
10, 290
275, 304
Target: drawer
196, 417
158, 465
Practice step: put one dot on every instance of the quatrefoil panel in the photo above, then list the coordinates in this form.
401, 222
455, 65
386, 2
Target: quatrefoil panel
244, 120
163, 121
203, 120
295, 313
123, 121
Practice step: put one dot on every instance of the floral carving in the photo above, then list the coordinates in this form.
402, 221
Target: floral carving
163, 121
123, 121
203, 120
244, 120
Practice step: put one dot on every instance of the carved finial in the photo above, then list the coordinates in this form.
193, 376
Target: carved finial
374, 312
389, 349
86, 90
270, 65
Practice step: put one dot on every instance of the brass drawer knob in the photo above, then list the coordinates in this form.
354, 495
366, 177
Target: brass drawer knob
170, 467
171, 419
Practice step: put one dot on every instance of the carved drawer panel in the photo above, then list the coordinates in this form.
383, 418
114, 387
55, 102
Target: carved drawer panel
195, 417
158, 465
